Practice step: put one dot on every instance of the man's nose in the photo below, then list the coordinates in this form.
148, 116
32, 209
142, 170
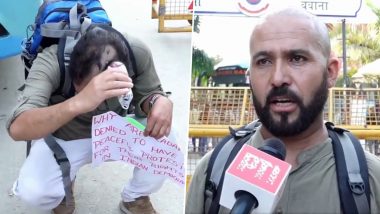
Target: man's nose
280, 75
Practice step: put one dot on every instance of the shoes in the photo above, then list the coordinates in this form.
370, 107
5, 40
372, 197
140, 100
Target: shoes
141, 205
63, 209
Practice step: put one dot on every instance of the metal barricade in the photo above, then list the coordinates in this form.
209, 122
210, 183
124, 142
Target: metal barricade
169, 10
214, 109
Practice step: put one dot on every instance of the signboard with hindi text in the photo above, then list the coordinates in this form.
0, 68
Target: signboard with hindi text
329, 8
118, 138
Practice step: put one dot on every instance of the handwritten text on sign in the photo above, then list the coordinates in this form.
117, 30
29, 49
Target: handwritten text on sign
115, 138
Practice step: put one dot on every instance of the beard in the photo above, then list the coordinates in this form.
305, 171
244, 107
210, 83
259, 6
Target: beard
308, 113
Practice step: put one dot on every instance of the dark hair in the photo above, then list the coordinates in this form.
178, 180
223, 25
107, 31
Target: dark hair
89, 48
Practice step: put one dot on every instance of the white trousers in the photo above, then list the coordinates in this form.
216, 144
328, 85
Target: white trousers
40, 179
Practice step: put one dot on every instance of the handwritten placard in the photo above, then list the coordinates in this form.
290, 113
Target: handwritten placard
118, 138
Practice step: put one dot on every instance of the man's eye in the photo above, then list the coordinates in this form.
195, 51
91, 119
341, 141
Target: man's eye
262, 62
298, 59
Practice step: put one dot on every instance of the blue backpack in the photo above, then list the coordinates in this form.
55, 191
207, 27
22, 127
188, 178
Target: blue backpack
61, 22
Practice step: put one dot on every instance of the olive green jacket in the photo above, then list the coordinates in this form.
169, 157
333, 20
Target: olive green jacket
44, 79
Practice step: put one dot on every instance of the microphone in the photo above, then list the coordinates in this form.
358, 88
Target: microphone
245, 201
255, 178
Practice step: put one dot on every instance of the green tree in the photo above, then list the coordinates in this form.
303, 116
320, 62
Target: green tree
202, 67
196, 24
362, 44
202, 64
376, 10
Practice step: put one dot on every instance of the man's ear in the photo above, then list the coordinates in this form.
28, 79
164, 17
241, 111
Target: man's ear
77, 87
81, 84
333, 69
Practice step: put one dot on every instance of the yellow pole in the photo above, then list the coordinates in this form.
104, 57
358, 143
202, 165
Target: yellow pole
245, 97
202, 132
331, 106
161, 15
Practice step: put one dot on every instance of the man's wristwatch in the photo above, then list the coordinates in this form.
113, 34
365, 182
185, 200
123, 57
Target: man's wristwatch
152, 100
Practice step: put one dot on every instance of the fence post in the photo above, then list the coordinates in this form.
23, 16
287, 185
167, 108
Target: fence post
331, 106
243, 107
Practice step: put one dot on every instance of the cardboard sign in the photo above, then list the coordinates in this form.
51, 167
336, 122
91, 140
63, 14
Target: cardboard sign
118, 138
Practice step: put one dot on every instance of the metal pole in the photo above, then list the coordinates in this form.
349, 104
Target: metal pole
243, 107
361, 133
345, 77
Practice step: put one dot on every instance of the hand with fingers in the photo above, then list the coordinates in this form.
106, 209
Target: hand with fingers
159, 119
112, 82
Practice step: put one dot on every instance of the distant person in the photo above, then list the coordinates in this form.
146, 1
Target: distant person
96, 66
247, 77
373, 118
203, 145
291, 71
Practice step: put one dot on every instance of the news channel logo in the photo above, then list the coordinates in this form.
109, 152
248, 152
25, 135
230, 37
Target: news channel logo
253, 7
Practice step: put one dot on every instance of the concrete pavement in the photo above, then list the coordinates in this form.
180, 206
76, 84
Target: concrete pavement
97, 190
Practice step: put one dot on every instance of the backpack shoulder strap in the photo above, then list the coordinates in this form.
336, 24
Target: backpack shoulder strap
64, 165
66, 87
222, 156
78, 24
351, 166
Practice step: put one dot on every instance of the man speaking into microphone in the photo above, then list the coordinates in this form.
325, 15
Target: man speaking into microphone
291, 71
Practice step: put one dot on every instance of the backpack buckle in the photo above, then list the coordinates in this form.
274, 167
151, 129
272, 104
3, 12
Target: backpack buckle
240, 132
332, 127
357, 187
210, 189
60, 160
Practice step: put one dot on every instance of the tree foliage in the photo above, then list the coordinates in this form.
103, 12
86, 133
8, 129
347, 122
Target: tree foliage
196, 24
362, 43
202, 67
376, 10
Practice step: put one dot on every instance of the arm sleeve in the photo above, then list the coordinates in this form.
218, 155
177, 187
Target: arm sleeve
146, 81
195, 193
373, 163
42, 81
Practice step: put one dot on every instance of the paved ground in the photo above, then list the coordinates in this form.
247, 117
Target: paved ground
98, 189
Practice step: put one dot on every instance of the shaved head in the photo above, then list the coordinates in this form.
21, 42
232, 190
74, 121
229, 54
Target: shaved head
317, 28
